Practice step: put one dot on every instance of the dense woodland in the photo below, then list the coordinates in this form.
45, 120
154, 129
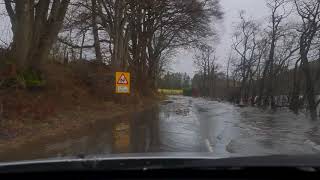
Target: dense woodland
174, 81
279, 57
60, 56
125, 35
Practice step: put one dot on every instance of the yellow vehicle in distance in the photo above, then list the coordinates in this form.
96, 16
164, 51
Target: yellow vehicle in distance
171, 91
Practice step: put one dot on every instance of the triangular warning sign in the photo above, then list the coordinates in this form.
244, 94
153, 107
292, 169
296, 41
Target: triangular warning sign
122, 80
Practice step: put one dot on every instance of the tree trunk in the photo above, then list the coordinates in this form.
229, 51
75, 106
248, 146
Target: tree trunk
269, 92
66, 57
95, 32
228, 73
82, 43
262, 85
309, 88
35, 30
294, 99
22, 33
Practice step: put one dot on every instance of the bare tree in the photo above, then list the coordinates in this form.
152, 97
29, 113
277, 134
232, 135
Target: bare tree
205, 61
95, 31
114, 19
35, 26
278, 14
228, 68
309, 12
184, 23
246, 45
140, 34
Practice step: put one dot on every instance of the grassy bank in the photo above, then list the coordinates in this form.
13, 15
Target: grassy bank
70, 100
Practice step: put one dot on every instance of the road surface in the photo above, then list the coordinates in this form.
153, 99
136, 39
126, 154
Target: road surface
186, 124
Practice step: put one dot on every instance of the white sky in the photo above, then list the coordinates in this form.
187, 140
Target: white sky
254, 8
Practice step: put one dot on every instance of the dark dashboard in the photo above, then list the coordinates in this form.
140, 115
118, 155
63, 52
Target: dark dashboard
157, 167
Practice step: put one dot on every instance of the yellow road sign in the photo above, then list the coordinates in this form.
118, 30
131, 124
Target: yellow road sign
122, 82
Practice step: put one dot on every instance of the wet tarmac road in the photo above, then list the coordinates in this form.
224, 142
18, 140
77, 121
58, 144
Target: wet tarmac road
186, 124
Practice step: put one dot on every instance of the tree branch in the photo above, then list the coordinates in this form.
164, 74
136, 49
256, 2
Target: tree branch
75, 46
11, 13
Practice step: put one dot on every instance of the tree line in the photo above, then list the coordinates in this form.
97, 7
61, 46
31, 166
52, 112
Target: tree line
278, 57
175, 81
139, 36
271, 63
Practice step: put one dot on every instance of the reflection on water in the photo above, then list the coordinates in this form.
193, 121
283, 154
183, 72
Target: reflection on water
136, 132
125, 134
274, 132
121, 137
179, 127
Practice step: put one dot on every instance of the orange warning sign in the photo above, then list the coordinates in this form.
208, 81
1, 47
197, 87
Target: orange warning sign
122, 82
122, 79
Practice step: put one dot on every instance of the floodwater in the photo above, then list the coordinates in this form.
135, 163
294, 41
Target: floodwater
186, 124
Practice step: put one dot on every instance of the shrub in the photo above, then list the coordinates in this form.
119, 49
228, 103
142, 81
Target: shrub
187, 92
30, 79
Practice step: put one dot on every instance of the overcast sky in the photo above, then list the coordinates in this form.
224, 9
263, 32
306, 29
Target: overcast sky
231, 8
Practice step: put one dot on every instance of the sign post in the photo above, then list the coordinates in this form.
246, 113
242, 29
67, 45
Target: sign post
122, 83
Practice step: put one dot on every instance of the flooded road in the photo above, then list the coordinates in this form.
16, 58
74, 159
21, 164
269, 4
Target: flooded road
186, 124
